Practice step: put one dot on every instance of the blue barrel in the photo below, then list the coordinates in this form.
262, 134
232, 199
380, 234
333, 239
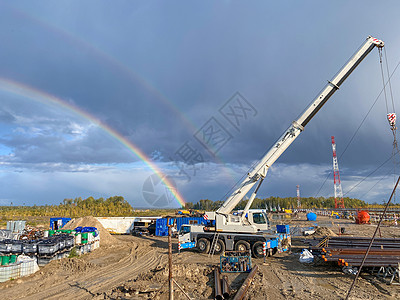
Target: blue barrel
311, 216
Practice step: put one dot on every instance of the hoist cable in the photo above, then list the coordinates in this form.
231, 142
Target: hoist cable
383, 78
392, 115
390, 84
395, 146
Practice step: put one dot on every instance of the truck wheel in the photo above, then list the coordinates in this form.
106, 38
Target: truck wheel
274, 251
242, 246
258, 249
219, 247
203, 245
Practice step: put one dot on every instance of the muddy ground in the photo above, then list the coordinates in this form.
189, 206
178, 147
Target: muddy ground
136, 268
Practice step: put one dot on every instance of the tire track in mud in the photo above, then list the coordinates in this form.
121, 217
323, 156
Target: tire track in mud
94, 282
123, 274
292, 282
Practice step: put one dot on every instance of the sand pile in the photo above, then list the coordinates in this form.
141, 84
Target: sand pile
105, 237
324, 231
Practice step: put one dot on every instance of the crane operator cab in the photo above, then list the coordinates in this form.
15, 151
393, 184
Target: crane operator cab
184, 234
259, 219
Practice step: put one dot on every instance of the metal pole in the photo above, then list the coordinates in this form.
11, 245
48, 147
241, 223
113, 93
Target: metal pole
182, 290
217, 282
265, 251
171, 283
372, 239
225, 287
246, 284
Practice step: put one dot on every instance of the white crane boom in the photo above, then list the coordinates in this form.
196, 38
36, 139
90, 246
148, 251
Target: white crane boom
260, 170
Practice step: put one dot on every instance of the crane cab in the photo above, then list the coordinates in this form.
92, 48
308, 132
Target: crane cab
254, 221
259, 219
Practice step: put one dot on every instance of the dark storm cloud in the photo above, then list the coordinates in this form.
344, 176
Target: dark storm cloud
157, 72
92, 147
191, 64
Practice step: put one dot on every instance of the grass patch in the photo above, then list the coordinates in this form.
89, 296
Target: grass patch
73, 253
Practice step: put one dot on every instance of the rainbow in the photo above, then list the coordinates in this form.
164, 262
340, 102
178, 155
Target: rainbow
23, 90
119, 67
107, 59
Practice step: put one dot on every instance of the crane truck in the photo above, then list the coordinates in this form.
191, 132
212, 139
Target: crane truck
251, 230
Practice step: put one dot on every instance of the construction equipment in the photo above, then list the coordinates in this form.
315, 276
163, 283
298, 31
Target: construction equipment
251, 228
224, 220
336, 214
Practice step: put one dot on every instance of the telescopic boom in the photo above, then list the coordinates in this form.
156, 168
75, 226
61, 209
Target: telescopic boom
258, 173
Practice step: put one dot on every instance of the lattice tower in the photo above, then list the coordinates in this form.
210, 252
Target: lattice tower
298, 197
336, 178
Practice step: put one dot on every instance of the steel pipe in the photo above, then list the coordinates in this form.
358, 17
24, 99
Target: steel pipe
217, 281
225, 287
246, 284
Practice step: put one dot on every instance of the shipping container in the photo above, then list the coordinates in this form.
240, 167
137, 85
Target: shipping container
189, 221
162, 228
122, 225
58, 223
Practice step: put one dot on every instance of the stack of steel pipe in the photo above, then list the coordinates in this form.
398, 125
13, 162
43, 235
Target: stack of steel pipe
371, 260
350, 251
354, 242
217, 282
222, 290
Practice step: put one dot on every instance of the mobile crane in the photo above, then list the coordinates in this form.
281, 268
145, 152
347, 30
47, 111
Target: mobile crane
250, 229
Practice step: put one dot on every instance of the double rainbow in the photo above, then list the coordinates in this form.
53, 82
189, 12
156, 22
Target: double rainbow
26, 91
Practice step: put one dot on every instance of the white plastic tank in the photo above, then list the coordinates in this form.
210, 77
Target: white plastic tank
28, 265
90, 237
8, 272
78, 239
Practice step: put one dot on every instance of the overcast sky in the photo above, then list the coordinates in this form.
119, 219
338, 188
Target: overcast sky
159, 74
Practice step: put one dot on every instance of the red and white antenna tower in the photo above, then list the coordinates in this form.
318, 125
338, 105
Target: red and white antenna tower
298, 197
336, 178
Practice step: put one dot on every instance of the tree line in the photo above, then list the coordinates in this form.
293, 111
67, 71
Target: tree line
288, 203
115, 206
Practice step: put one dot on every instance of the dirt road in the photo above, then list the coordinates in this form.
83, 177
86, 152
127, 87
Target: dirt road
87, 277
